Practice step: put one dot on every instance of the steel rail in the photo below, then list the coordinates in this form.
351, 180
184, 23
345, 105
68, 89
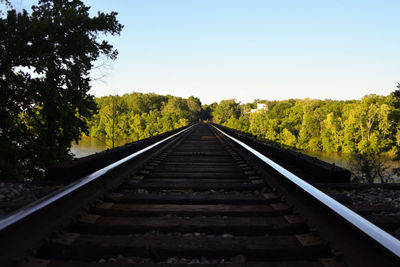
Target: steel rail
379, 235
38, 205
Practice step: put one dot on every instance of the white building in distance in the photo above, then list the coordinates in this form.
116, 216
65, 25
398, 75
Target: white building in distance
260, 107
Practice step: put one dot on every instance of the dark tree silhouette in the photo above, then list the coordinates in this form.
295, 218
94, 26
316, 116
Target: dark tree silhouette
46, 60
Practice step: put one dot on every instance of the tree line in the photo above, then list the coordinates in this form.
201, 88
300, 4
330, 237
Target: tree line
137, 116
366, 125
317, 125
365, 128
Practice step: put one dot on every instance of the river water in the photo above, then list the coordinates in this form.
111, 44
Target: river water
339, 159
89, 145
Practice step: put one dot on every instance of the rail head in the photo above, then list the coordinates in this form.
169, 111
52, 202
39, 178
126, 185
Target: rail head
380, 236
24, 212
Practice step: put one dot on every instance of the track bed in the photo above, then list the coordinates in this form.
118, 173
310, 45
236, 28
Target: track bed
199, 202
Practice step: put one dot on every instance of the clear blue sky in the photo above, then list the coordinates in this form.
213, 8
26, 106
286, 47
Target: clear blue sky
223, 49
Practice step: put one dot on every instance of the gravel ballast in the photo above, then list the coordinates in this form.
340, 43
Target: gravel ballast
14, 195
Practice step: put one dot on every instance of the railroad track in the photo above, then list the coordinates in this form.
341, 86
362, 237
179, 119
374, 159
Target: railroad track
198, 198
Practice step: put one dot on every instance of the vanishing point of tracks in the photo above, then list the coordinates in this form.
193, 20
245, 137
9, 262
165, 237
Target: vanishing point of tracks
199, 198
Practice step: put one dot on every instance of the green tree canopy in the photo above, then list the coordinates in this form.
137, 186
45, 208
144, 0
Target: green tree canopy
136, 116
225, 110
46, 60
369, 125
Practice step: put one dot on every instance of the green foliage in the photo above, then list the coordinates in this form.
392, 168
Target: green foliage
137, 116
225, 110
288, 138
207, 111
331, 134
366, 128
369, 167
369, 124
46, 59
